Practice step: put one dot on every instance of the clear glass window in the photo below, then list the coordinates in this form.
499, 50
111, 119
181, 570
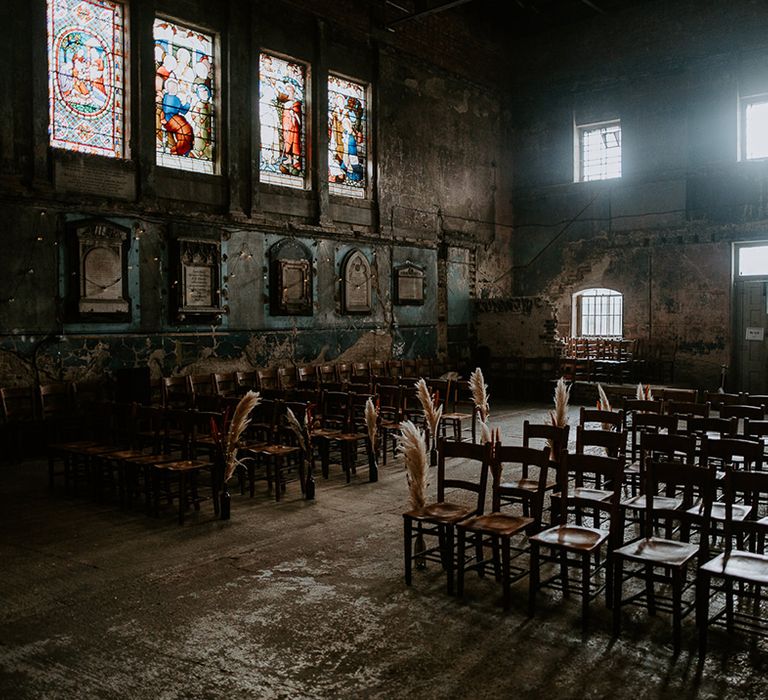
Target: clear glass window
599, 312
599, 151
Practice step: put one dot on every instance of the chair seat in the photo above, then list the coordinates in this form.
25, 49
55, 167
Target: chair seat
350, 437
658, 551
575, 538
527, 485
440, 513
325, 432
590, 494
126, 454
278, 450
744, 566
184, 465
457, 416
740, 512
497, 524
72, 446
659, 503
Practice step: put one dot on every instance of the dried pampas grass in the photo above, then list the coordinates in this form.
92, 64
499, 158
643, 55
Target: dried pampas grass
603, 404
486, 434
413, 447
559, 416
371, 422
479, 390
237, 425
432, 412
644, 392
298, 430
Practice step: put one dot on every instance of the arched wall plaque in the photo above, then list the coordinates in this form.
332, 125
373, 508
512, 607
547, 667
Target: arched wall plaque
356, 283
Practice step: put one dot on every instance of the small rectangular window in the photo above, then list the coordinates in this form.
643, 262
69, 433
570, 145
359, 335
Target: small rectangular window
755, 128
599, 313
752, 261
599, 151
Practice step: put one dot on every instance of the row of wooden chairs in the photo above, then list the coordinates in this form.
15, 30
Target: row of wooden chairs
676, 489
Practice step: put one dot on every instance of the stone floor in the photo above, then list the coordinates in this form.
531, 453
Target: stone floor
302, 600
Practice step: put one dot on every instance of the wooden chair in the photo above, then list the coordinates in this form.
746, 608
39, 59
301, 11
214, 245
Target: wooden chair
665, 559
225, 384
607, 420
57, 411
377, 367
742, 411
390, 403
287, 378
19, 420
743, 565
649, 423
459, 409
395, 368
201, 385
718, 399
498, 528
326, 374
678, 395
176, 392
361, 373
439, 518
283, 453
344, 372
268, 381
572, 544
247, 380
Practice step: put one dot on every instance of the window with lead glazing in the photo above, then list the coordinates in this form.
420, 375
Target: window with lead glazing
185, 98
282, 115
347, 137
86, 76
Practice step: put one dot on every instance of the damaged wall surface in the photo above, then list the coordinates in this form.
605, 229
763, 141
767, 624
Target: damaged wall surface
437, 181
662, 233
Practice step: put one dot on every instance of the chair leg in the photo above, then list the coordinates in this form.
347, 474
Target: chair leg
505, 565
702, 610
564, 574
677, 608
650, 598
449, 557
460, 548
408, 548
533, 579
618, 573
585, 561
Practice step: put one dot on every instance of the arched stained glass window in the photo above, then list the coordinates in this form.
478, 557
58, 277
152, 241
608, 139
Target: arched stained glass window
347, 137
86, 74
282, 114
185, 93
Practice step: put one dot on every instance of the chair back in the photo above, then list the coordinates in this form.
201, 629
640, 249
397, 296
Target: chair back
267, 379
613, 443
225, 383
526, 457
741, 411
686, 485
708, 427
344, 372
248, 379
475, 481
750, 489
732, 452
608, 420
286, 378
335, 410
307, 376
584, 467
17, 404
327, 374
176, 392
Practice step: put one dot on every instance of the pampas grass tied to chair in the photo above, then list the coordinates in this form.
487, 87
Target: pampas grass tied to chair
559, 417
479, 390
433, 412
302, 434
372, 424
227, 440
413, 447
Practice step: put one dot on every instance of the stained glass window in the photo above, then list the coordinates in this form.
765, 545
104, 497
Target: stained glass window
347, 137
185, 98
282, 113
86, 65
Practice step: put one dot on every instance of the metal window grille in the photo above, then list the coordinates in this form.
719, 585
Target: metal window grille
600, 313
600, 151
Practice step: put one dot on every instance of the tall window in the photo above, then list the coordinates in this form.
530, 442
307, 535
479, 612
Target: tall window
599, 151
282, 113
752, 260
347, 137
185, 98
86, 73
598, 312
755, 128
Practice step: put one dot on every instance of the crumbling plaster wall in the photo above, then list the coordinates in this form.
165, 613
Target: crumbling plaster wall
662, 233
439, 142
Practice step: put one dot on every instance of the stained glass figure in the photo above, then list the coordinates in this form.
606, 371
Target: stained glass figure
347, 137
185, 98
282, 100
86, 66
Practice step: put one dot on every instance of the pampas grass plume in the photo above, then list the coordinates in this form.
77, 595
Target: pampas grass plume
413, 447
295, 426
479, 390
371, 422
432, 413
237, 425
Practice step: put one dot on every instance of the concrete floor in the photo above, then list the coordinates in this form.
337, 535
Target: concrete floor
303, 600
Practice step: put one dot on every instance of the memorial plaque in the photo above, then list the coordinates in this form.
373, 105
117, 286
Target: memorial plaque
356, 280
101, 268
92, 176
290, 286
197, 282
409, 285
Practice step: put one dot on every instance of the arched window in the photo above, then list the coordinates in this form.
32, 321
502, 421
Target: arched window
598, 312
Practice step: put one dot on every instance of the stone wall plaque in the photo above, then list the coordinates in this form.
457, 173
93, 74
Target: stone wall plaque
91, 176
198, 272
290, 281
356, 283
409, 284
102, 269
